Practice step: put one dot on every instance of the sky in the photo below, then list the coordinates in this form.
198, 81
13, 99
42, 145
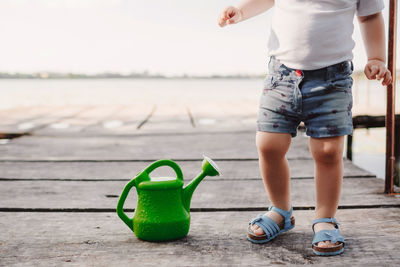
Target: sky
171, 37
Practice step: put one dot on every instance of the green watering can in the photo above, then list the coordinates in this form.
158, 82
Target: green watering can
163, 205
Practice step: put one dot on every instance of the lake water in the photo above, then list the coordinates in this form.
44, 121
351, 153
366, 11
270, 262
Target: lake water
369, 98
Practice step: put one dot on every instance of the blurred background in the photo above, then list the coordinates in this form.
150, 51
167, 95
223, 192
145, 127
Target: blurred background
123, 66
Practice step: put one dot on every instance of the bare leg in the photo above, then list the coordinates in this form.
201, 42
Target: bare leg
327, 154
272, 148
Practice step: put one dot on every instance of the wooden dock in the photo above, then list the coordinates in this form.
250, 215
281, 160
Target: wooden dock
59, 188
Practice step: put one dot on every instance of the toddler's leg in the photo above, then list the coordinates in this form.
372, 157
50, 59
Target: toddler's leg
272, 148
327, 154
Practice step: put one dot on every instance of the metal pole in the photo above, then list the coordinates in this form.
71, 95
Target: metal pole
390, 109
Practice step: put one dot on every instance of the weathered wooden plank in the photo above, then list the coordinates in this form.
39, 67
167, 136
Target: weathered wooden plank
168, 117
175, 125
164, 116
210, 194
231, 170
225, 123
50, 116
63, 120
94, 116
225, 115
21, 114
217, 239
77, 121
125, 121
155, 146
8, 112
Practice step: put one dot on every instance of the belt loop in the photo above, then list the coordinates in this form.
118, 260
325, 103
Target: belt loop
273, 63
270, 65
326, 74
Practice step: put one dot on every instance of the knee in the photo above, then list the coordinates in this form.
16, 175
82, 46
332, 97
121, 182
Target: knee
271, 150
327, 153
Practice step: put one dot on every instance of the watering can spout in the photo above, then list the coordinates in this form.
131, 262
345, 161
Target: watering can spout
209, 168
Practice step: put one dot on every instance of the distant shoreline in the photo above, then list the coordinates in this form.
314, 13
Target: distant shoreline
143, 75
51, 76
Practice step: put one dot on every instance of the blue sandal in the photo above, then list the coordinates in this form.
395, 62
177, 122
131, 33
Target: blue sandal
270, 228
328, 235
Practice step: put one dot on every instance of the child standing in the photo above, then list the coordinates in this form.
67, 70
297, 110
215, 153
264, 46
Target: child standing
310, 50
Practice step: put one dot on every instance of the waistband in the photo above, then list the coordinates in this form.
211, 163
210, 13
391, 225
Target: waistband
326, 72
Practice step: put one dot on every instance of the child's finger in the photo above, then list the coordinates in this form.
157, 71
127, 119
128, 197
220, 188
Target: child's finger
229, 12
367, 72
226, 15
381, 73
234, 19
231, 21
374, 71
222, 19
387, 79
389, 75
221, 22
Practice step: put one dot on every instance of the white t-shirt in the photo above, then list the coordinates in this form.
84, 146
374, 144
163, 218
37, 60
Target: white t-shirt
312, 34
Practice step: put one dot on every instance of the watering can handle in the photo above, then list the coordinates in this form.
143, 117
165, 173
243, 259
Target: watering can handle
120, 207
165, 162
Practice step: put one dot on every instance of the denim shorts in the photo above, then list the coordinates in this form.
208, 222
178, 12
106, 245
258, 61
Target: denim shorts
321, 98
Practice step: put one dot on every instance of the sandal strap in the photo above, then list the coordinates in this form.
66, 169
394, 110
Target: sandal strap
326, 220
284, 213
328, 235
269, 227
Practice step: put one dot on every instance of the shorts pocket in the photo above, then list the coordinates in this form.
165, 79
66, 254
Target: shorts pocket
279, 86
345, 70
344, 84
274, 80
270, 81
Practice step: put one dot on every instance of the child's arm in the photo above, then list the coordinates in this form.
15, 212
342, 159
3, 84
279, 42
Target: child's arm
372, 29
245, 10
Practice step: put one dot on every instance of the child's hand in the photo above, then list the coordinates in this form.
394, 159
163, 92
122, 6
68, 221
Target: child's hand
229, 15
376, 69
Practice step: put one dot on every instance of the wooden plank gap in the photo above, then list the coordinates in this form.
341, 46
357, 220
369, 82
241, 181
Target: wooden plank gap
64, 180
58, 120
147, 118
78, 210
13, 135
6, 179
33, 118
155, 134
134, 160
191, 118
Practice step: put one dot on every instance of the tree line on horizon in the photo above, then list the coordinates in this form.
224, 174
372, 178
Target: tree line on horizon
112, 75
141, 75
